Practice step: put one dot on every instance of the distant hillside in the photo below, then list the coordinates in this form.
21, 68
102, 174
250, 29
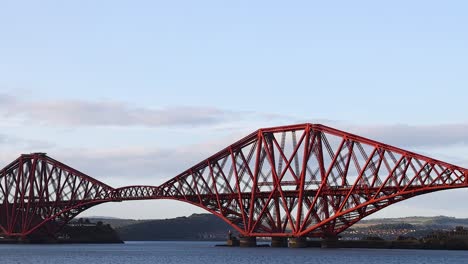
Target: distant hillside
194, 227
431, 221
392, 228
115, 222
210, 227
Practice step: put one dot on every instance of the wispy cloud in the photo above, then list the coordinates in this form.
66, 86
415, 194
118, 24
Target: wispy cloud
7, 141
415, 135
12, 146
6, 100
133, 165
112, 113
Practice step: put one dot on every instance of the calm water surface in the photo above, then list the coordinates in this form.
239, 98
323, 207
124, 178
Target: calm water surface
206, 253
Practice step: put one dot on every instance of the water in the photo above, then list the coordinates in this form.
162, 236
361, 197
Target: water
206, 253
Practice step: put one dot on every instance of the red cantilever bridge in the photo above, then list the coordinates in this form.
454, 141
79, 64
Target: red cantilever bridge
305, 180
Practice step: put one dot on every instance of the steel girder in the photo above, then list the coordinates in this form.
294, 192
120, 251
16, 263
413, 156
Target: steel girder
300, 180
307, 180
39, 195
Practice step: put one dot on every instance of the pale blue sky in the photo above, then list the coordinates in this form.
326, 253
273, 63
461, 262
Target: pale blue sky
159, 85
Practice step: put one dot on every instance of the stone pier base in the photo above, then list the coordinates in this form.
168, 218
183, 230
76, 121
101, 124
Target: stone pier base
279, 242
248, 241
297, 242
330, 242
233, 242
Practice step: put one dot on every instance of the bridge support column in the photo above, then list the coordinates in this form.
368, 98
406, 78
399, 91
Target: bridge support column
248, 241
297, 242
279, 242
233, 242
330, 242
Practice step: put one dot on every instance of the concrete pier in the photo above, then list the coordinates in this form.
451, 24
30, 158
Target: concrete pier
279, 242
248, 241
330, 242
233, 242
297, 242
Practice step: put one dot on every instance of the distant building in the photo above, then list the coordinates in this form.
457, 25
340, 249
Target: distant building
459, 233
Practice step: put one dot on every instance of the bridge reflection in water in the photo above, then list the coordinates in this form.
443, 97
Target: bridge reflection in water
297, 181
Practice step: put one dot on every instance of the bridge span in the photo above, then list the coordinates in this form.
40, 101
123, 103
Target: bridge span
305, 180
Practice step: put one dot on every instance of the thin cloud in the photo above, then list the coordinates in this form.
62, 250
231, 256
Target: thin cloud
6, 99
415, 136
132, 165
149, 166
7, 141
109, 113
13, 146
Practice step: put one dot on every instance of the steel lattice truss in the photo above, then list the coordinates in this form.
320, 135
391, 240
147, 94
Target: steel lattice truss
39, 195
301, 180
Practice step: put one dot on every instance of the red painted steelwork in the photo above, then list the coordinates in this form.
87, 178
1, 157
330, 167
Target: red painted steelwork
39, 195
300, 180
